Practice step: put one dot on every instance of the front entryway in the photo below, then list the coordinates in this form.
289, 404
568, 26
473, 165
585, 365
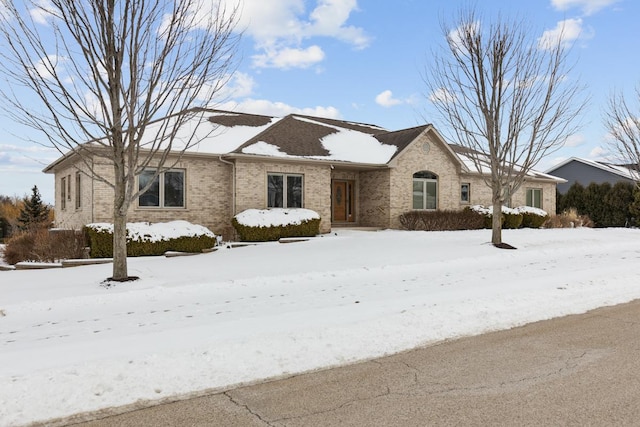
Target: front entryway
343, 201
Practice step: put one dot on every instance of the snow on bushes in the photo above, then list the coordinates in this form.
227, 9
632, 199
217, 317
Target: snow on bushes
522, 216
145, 238
261, 225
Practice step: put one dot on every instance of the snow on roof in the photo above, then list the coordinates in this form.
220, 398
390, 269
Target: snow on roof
485, 167
213, 132
353, 146
620, 170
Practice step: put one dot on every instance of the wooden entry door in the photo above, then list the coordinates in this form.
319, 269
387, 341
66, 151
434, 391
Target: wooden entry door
342, 201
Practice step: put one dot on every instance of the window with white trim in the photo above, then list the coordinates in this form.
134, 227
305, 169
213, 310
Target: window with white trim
284, 190
425, 190
534, 197
167, 190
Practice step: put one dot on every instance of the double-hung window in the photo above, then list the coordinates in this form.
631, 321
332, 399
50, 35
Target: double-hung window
534, 197
425, 190
167, 190
284, 190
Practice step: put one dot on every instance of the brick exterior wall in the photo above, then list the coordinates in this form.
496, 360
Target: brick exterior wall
481, 193
373, 198
72, 216
415, 159
382, 195
251, 186
207, 197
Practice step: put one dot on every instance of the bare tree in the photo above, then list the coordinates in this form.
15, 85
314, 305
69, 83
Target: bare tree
623, 123
505, 97
104, 72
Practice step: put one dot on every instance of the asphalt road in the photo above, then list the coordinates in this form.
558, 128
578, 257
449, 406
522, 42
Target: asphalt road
581, 370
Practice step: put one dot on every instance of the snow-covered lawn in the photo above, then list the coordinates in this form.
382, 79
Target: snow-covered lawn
68, 344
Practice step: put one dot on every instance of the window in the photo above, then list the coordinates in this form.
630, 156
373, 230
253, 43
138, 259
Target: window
69, 187
425, 190
534, 197
465, 192
284, 191
63, 193
78, 190
166, 190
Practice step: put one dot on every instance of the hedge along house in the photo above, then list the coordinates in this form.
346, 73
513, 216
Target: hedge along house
352, 174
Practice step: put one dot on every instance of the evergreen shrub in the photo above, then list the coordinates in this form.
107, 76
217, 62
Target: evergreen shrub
247, 233
101, 244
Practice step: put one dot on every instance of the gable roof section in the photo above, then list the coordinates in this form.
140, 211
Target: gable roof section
623, 171
464, 155
320, 139
296, 136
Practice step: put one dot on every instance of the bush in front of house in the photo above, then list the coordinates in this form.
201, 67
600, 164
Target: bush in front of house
570, 218
44, 245
263, 225
520, 217
532, 217
441, 220
146, 239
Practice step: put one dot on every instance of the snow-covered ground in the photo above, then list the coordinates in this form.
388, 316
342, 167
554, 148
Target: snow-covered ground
68, 344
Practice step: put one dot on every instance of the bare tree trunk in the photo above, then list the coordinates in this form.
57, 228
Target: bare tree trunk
120, 272
120, 207
496, 221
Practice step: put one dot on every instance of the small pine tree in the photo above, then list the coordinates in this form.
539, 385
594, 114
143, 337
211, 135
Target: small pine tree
34, 213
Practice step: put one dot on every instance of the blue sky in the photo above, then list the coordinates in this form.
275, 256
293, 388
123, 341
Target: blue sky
362, 60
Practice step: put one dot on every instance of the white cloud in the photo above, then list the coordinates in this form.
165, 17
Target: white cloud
47, 66
442, 95
280, 27
454, 38
270, 108
289, 58
598, 153
588, 7
42, 12
386, 99
566, 32
574, 140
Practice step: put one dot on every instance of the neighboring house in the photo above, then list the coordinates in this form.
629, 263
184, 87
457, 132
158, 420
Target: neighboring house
586, 171
350, 173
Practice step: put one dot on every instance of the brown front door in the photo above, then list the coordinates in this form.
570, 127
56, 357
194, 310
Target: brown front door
342, 201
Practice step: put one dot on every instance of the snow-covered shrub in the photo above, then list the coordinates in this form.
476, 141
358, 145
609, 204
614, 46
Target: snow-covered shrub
262, 225
522, 216
532, 217
151, 239
441, 220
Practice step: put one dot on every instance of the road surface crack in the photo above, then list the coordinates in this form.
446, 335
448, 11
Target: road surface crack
248, 409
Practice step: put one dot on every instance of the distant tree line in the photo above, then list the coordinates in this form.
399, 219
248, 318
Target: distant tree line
607, 205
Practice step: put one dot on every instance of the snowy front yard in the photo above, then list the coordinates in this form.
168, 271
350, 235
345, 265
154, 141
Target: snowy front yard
68, 344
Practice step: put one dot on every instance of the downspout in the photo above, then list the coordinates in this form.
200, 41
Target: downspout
233, 183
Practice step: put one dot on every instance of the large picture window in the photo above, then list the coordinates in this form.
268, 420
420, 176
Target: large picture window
534, 197
425, 190
166, 190
284, 191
